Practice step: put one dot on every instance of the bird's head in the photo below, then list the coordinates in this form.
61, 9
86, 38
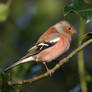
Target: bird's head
67, 28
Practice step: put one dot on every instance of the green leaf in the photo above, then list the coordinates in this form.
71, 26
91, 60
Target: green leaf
4, 10
81, 8
4, 85
86, 37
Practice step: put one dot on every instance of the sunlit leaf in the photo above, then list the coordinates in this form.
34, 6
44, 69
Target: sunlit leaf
4, 10
81, 8
86, 37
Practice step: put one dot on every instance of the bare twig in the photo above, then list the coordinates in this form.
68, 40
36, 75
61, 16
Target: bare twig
55, 68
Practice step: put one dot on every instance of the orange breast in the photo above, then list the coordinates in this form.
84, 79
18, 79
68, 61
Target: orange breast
55, 51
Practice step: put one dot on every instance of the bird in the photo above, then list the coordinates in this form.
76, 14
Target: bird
50, 45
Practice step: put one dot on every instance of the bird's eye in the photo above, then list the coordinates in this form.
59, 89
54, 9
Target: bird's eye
69, 28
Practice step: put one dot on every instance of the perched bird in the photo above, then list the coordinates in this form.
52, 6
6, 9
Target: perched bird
53, 43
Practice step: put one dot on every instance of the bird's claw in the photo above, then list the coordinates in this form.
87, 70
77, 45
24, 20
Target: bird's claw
50, 71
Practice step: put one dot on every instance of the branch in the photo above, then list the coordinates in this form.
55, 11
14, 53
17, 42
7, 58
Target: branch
55, 68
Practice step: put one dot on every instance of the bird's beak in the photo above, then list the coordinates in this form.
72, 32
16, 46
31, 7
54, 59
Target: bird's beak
74, 31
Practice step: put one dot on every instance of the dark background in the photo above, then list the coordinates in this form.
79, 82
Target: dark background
26, 21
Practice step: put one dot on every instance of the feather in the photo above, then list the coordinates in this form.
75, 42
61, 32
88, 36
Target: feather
49, 35
38, 48
32, 58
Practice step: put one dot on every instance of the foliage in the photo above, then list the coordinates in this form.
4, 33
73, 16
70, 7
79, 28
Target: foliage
81, 8
5, 87
86, 37
4, 11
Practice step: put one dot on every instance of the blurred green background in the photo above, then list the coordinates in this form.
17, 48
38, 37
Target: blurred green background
22, 23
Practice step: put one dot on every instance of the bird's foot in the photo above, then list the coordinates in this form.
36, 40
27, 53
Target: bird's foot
50, 71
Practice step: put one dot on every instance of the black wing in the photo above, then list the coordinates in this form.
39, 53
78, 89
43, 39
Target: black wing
38, 48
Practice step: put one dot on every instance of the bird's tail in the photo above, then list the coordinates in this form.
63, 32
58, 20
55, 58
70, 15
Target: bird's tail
31, 58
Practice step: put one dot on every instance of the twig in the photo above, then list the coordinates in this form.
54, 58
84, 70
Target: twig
55, 68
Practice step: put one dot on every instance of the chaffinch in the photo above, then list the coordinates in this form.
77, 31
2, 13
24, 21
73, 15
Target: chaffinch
53, 43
